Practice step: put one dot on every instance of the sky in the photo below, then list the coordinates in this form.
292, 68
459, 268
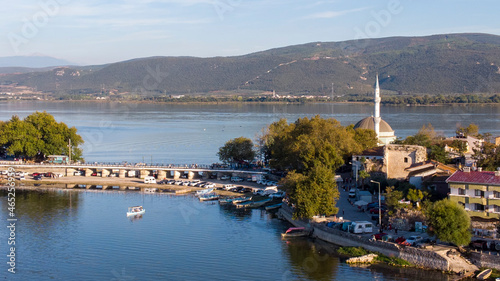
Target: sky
104, 31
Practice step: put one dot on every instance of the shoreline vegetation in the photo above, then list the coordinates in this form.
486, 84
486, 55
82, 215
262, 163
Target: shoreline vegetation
459, 100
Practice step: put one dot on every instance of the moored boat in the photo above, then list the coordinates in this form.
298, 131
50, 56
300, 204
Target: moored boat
274, 206
204, 191
485, 274
136, 210
295, 232
234, 200
252, 204
208, 197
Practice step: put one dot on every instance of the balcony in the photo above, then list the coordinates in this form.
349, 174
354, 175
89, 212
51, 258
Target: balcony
477, 187
494, 201
477, 200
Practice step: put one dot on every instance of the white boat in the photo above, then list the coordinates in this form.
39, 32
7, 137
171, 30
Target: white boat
204, 191
136, 210
208, 197
485, 274
234, 200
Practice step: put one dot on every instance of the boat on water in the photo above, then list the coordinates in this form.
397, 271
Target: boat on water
274, 206
136, 210
223, 201
485, 274
252, 204
295, 232
205, 191
208, 197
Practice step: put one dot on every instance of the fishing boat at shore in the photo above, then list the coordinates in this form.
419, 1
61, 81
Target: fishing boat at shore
136, 210
252, 204
274, 206
233, 200
204, 191
485, 274
295, 232
209, 197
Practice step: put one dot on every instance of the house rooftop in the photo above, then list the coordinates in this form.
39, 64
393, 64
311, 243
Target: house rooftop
475, 177
376, 151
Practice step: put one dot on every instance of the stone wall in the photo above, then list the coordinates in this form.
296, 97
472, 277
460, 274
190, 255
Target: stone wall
418, 257
485, 260
399, 157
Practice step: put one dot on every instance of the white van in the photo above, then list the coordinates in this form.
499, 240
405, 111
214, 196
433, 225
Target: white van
149, 179
361, 227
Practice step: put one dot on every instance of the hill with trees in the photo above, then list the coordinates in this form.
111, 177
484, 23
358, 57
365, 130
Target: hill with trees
438, 64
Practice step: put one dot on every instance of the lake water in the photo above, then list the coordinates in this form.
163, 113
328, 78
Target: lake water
187, 134
85, 235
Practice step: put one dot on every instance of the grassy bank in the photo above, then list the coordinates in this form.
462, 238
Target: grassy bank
358, 251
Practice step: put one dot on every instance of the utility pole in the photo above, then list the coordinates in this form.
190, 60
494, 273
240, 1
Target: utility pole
69, 148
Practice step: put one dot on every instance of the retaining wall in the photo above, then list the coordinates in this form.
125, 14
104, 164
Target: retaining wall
485, 260
419, 257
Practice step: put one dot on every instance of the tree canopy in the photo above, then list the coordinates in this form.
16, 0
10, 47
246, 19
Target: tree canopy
449, 222
298, 145
310, 150
237, 150
39, 135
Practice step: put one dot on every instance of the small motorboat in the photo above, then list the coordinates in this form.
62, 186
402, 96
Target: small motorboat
136, 210
483, 275
204, 191
208, 197
274, 206
295, 232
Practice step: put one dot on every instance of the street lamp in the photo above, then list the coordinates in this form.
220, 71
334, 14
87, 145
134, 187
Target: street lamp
356, 174
379, 210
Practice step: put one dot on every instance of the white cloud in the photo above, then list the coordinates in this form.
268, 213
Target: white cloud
333, 14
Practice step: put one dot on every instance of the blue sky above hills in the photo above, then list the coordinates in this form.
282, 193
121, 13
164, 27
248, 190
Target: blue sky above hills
96, 32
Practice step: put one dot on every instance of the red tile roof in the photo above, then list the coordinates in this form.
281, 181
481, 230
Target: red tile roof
475, 177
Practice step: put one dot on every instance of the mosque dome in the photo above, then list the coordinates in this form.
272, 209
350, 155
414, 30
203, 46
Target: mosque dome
369, 123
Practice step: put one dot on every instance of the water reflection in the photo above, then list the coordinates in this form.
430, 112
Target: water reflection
310, 260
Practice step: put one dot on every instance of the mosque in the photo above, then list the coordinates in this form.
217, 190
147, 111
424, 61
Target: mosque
385, 134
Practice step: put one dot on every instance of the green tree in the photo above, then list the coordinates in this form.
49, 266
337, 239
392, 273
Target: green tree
449, 222
415, 195
471, 130
39, 134
392, 198
237, 150
298, 145
312, 193
459, 146
438, 153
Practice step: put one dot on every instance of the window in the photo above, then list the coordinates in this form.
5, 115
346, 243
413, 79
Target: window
479, 207
406, 159
496, 194
461, 191
479, 193
496, 209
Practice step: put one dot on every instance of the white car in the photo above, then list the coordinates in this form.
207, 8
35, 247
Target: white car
413, 240
225, 177
279, 194
352, 193
209, 185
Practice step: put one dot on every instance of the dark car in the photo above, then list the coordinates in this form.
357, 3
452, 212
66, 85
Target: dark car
37, 178
379, 236
479, 244
376, 210
36, 174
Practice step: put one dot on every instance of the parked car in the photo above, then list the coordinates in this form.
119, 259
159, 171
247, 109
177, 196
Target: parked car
37, 178
36, 174
236, 179
279, 194
479, 244
379, 236
225, 177
77, 173
209, 185
376, 210
352, 193
246, 189
413, 240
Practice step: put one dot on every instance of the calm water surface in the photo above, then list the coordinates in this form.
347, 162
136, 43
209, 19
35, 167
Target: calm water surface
73, 235
186, 134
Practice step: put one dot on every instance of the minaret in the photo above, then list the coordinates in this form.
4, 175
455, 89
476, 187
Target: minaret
377, 109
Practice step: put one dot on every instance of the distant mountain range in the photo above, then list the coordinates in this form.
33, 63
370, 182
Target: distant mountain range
37, 61
438, 64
